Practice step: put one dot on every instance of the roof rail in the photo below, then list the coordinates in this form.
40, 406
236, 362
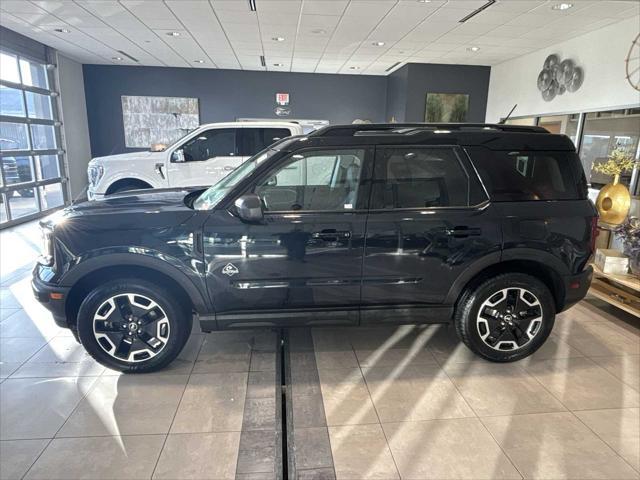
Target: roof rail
404, 128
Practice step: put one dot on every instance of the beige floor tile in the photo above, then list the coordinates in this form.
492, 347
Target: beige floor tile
212, 402
361, 452
447, 348
345, 397
84, 368
7, 312
395, 357
620, 429
199, 456
185, 361
420, 392
16, 456
98, 458
388, 337
553, 347
18, 350
501, 389
61, 349
217, 356
626, 368
333, 348
580, 384
600, 339
447, 449
21, 324
37, 408
556, 446
127, 405
7, 368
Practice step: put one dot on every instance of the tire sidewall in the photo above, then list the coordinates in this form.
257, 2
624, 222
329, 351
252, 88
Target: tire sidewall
179, 324
486, 290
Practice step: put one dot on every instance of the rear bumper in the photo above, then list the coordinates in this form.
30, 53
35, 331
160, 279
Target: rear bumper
576, 287
54, 303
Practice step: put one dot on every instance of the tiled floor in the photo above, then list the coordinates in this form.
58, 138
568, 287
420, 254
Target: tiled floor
384, 403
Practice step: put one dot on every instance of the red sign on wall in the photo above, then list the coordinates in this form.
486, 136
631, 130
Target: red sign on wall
282, 98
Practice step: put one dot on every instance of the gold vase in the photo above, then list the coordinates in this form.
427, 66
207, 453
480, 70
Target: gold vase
613, 202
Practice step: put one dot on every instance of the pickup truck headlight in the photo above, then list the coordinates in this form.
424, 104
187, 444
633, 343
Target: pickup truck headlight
94, 173
46, 256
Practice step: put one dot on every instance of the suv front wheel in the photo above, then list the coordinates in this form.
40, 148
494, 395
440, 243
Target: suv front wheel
133, 326
505, 318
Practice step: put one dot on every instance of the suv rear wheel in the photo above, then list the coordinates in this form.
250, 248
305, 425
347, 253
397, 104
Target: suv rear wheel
505, 318
133, 326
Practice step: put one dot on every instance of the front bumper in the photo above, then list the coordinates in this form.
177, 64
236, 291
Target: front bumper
52, 297
576, 286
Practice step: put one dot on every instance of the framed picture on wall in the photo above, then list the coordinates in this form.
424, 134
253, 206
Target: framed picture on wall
446, 107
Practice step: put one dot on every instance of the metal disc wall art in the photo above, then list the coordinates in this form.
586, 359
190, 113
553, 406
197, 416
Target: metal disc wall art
558, 76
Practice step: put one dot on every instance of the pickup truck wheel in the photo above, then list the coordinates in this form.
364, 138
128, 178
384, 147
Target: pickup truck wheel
505, 318
133, 326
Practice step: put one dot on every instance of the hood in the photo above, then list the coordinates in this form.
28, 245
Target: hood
132, 210
127, 157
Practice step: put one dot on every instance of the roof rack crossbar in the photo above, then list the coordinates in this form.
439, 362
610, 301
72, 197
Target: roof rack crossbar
406, 128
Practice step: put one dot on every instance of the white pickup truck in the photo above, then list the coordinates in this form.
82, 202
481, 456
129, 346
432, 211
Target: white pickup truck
200, 158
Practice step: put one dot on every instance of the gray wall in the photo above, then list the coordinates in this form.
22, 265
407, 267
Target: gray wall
226, 95
74, 119
435, 78
397, 95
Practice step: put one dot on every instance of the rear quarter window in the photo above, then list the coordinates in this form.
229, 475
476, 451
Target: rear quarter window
528, 175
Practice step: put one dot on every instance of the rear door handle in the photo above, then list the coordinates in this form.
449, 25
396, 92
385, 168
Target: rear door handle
159, 170
462, 231
331, 235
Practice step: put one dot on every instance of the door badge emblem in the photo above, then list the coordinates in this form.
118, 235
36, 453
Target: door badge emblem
230, 269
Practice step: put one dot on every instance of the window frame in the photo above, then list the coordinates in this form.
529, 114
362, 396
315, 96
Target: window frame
197, 132
364, 187
463, 160
7, 191
241, 144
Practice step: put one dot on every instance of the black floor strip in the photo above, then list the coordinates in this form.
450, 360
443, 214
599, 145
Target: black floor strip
283, 411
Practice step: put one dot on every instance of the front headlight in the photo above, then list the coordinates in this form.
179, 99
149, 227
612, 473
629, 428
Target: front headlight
46, 256
95, 172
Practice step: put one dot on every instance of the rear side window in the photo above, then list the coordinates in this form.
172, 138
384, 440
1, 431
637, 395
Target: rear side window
418, 178
523, 176
256, 139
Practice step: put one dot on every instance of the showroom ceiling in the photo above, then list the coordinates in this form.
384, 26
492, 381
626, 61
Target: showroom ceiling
324, 36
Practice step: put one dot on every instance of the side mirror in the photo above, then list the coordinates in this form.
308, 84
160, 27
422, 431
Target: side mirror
178, 156
272, 182
249, 208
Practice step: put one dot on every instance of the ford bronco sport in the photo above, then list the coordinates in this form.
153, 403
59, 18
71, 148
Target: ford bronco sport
485, 226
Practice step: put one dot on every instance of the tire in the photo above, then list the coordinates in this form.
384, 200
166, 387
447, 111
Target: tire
500, 334
154, 336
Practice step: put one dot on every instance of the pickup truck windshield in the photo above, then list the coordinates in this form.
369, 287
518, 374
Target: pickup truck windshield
210, 197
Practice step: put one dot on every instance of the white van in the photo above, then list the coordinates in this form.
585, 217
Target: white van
200, 158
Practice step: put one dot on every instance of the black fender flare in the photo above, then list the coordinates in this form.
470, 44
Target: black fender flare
545, 259
192, 283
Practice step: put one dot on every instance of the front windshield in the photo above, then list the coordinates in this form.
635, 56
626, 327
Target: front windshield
210, 197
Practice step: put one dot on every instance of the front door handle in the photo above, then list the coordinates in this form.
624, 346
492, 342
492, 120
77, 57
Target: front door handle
228, 168
331, 235
463, 231
159, 170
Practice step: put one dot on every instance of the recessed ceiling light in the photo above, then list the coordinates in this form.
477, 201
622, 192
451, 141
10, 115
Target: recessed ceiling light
378, 44
354, 68
473, 49
318, 31
278, 39
562, 6
116, 58
278, 64
173, 34
63, 30
198, 61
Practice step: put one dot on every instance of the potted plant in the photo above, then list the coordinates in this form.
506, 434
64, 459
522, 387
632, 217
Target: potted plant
614, 199
629, 233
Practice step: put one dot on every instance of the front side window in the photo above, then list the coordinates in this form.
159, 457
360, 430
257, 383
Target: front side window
219, 142
316, 180
418, 178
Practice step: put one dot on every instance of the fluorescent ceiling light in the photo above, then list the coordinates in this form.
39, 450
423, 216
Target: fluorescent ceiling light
562, 6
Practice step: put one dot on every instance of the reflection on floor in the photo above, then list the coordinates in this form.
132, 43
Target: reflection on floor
408, 402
